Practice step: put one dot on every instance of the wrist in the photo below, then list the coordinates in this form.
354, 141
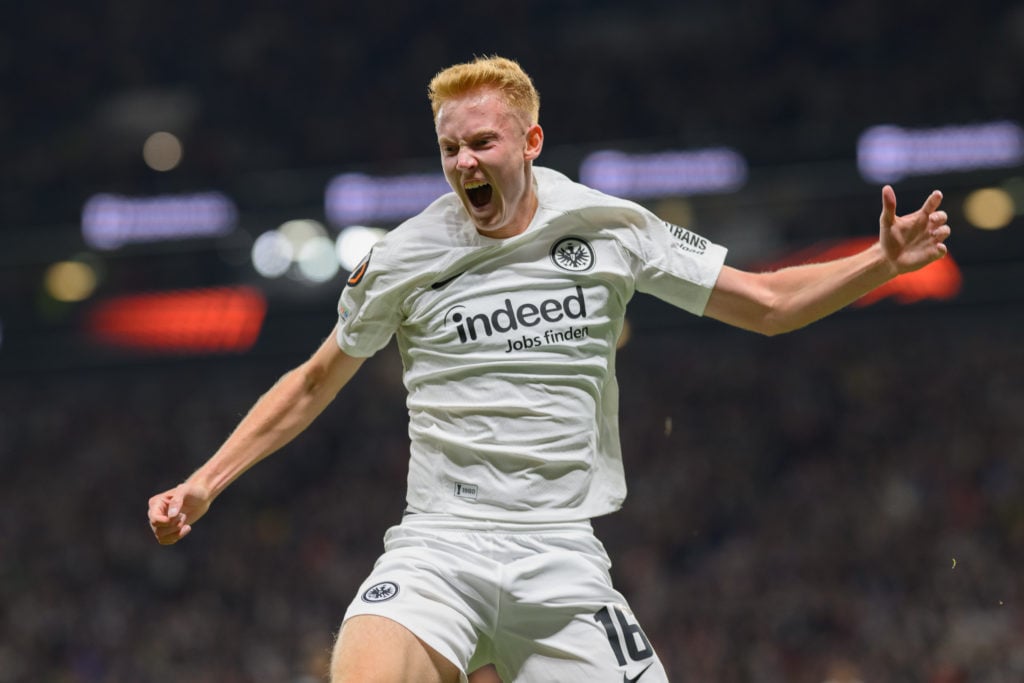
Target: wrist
204, 485
887, 266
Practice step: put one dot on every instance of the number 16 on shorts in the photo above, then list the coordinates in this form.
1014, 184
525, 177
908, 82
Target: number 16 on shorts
624, 635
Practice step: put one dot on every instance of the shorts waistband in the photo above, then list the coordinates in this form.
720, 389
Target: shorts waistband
442, 521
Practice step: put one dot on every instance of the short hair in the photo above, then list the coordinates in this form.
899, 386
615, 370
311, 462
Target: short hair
504, 75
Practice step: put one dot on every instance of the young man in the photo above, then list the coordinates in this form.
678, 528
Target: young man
507, 297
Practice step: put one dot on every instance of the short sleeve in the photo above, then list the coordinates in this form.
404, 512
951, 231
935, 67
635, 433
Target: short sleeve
369, 309
677, 265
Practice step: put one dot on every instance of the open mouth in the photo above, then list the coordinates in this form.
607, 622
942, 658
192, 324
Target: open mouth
479, 193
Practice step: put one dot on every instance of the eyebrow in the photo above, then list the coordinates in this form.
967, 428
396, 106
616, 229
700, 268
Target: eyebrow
485, 133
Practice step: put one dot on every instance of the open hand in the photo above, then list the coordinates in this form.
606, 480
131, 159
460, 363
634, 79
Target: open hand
912, 241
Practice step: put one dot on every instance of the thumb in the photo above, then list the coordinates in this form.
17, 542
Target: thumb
888, 206
174, 505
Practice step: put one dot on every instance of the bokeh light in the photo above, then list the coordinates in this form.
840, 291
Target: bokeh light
317, 261
272, 254
70, 281
353, 243
162, 151
110, 221
990, 208
300, 231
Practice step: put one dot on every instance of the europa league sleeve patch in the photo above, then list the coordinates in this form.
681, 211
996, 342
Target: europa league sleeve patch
360, 270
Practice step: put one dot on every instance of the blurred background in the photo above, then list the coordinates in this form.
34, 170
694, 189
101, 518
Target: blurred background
186, 186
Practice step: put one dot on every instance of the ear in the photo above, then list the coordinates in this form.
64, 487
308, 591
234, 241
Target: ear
534, 142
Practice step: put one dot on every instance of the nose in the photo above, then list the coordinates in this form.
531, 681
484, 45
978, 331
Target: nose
465, 159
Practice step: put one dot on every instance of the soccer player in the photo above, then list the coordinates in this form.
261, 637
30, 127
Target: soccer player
507, 296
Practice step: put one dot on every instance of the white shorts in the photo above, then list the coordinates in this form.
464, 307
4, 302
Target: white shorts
536, 600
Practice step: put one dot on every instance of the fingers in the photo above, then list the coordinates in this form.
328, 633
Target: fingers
888, 205
935, 221
938, 226
932, 203
938, 229
174, 505
158, 507
940, 234
169, 536
167, 522
912, 241
929, 208
171, 531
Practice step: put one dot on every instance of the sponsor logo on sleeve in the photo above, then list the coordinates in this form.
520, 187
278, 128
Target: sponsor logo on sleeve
686, 240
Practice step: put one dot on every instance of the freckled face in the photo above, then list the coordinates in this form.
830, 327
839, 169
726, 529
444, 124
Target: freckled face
486, 151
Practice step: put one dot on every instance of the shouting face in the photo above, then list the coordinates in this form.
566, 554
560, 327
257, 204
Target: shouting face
487, 149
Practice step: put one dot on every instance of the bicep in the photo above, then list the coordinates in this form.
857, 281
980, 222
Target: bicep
330, 368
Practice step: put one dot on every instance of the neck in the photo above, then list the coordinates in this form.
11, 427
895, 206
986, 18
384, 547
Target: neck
520, 223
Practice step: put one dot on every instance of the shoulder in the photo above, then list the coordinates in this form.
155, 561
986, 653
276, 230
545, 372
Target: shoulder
431, 233
557, 192
418, 248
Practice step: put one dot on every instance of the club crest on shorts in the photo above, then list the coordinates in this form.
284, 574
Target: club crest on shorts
573, 254
385, 590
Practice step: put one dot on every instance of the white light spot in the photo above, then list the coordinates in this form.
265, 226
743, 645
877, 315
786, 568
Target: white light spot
317, 261
272, 254
300, 231
353, 243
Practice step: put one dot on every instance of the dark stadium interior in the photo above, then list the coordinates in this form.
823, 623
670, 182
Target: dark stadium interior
842, 503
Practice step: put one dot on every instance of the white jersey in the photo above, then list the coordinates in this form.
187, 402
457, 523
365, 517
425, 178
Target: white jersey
508, 345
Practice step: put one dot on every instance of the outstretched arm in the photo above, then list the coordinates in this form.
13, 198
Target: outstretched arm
278, 416
788, 299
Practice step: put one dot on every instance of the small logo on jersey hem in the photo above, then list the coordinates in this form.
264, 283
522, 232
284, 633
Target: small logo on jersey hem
469, 491
385, 590
573, 254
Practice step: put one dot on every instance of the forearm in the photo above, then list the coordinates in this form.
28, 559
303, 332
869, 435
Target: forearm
803, 294
282, 413
276, 418
784, 300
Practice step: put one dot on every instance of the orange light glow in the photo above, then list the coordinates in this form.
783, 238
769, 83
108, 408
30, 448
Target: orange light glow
212, 320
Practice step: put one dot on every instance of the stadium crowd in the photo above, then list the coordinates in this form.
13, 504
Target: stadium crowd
841, 504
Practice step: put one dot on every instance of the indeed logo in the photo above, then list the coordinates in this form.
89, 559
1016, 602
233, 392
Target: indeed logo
511, 317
